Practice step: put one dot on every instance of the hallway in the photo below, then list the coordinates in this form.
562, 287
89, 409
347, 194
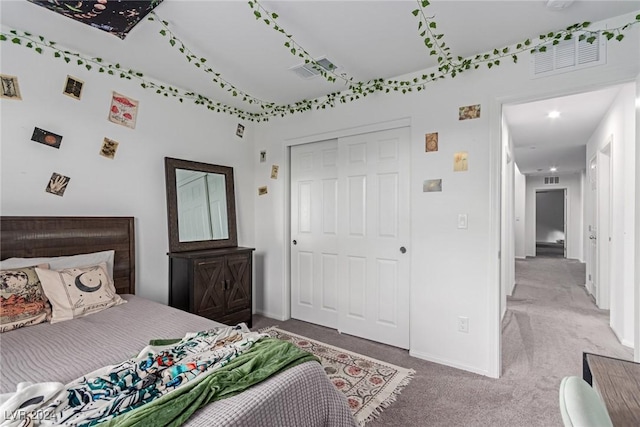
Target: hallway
551, 320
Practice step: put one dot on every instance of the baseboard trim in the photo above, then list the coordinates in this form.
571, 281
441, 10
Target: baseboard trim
624, 342
274, 316
521, 257
449, 363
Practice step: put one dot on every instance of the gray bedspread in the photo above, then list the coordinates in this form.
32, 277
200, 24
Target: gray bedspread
300, 396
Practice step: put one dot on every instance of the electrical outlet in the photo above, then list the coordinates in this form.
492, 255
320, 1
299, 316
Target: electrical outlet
463, 324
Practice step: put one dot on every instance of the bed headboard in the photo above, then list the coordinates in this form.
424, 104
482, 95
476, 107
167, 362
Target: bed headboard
31, 236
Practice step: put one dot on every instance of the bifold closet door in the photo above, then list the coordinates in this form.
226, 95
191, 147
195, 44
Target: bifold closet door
350, 235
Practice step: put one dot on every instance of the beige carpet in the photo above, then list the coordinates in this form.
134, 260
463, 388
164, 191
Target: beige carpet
549, 323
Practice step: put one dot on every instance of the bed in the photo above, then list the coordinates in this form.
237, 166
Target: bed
299, 396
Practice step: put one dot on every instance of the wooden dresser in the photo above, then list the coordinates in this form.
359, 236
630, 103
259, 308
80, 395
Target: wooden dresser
213, 283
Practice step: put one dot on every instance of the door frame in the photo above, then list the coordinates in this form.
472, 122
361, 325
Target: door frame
592, 257
604, 157
496, 116
307, 139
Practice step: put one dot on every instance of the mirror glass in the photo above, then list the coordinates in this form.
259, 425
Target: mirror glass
200, 205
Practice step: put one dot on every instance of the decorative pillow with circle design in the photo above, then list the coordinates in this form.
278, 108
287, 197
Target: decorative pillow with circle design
79, 291
22, 302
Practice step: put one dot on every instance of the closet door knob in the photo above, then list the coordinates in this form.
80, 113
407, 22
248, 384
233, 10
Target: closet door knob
295, 242
403, 250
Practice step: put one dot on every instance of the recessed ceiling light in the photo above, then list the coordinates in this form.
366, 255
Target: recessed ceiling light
553, 168
553, 114
558, 4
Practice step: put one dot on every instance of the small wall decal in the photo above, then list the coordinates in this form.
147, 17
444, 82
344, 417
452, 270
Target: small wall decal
262, 190
10, 88
58, 184
432, 185
431, 142
47, 138
240, 130
108, 148
73, 87
469, 112
123, 110
274, 171
263, 156
460, 163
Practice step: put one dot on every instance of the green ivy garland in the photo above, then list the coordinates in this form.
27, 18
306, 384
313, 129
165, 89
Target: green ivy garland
447, 65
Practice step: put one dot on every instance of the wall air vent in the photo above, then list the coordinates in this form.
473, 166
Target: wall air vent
551, 180
569, 55
309, 70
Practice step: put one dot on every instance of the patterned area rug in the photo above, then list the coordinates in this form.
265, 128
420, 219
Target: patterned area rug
370, 385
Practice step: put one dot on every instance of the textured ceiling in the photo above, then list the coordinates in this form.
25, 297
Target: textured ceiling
541, 142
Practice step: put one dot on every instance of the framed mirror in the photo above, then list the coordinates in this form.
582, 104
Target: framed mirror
201, 207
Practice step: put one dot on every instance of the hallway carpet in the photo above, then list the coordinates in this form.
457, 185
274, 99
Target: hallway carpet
550, 321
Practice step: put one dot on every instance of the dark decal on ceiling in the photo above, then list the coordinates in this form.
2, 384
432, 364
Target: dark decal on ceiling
117, 17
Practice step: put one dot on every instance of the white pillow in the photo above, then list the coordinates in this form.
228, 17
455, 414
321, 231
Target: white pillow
63, 262
78, 291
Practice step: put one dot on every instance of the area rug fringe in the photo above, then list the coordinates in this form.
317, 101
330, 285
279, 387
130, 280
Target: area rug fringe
374, 413
389, 400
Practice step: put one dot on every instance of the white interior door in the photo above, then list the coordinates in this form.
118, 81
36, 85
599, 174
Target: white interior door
314, 233
350, 235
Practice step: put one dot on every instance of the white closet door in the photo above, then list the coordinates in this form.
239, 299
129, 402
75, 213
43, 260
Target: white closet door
349, 227
314, 233
373, 217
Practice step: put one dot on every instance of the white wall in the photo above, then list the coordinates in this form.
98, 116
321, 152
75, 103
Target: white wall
637, 228
574, 236
454, 272
133, 183
519, 190
550, 216
618, 125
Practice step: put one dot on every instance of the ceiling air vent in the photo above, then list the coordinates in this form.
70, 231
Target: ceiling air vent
568, 55
551, 180
309, 70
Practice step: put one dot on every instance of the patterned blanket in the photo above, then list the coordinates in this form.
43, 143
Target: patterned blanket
153, 388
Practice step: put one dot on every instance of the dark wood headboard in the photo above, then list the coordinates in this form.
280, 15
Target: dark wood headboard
31, 236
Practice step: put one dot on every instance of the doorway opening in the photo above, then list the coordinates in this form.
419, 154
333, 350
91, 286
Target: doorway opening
574, 222
551, 223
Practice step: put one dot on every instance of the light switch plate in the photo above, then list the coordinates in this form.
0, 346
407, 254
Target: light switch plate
462, 221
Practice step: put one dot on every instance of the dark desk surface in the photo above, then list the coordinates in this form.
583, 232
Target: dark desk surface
618, 383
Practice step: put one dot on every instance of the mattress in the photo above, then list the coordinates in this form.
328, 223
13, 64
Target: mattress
64, 351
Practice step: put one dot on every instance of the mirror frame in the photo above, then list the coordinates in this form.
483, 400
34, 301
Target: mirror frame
175, 245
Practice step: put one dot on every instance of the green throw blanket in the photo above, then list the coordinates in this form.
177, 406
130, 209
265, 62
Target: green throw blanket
267, 357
